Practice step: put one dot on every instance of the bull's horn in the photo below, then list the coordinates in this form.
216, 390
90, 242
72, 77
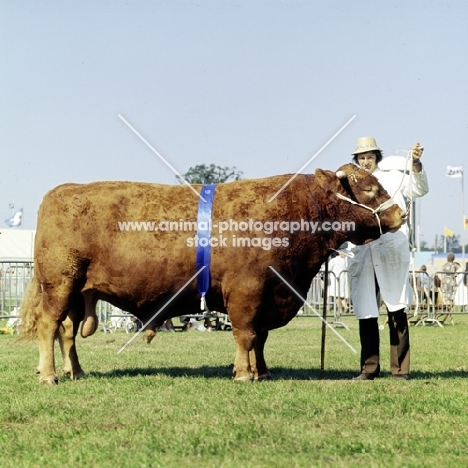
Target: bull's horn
341, 174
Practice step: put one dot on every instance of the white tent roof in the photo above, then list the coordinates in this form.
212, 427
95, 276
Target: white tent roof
17, 245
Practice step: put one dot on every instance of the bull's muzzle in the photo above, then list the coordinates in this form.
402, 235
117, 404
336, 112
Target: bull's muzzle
401, 216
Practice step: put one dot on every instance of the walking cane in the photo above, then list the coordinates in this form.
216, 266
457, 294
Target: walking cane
324, 321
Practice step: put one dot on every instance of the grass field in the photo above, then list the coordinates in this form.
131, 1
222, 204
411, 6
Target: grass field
173, 403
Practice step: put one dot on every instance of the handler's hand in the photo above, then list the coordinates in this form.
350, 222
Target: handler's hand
417, 151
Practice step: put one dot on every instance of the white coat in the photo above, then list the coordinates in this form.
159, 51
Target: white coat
387, 258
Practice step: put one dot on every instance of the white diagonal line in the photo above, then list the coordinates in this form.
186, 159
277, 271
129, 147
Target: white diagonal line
312, 158
315, 312
161, 157
162, 308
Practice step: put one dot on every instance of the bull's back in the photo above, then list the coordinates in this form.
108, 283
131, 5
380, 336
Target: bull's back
104, 204
112, 230
86, 213
109, 224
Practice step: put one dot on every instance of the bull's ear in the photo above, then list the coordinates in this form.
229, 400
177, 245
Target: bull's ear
327, 180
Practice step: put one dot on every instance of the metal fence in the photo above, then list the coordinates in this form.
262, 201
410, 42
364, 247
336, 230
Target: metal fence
429, 304
14, 278
338, 297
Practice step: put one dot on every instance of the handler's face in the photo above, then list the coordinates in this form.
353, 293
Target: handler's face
367, 161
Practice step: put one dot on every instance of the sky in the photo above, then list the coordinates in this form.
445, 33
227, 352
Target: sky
261, 85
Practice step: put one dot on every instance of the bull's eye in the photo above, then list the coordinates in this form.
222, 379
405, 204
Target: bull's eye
369, 188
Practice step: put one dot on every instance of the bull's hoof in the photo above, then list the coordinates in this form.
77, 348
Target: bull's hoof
51, 380
243, 378
149, 335
74, 375
266, 376
77, 375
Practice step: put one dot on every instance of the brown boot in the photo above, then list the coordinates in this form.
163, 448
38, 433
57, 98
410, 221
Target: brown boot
365, 376
399, 344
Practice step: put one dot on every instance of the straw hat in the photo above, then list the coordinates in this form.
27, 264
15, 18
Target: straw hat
365, 144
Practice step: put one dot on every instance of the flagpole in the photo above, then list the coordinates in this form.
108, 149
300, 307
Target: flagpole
463, 214
458, 172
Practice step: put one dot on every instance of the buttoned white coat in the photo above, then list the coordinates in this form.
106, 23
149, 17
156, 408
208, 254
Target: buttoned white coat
386, 260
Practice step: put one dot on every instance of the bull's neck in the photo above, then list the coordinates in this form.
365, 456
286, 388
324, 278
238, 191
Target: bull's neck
324, 211
315, 245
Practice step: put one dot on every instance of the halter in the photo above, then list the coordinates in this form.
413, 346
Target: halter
382, 207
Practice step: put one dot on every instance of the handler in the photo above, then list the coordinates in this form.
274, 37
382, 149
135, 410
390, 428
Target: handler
382, 266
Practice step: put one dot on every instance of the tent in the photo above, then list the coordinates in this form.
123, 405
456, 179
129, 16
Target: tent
16, 245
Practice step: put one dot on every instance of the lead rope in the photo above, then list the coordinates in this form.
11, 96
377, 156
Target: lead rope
409, 210
411, 230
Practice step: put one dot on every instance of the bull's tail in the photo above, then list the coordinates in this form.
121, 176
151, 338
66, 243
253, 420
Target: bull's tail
29, 309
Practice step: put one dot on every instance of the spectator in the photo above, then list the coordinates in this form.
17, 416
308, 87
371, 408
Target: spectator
423, 284
449, 280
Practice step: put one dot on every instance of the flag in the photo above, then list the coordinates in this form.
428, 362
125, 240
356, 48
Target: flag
454, 171
15, 220
448, 232
466, 222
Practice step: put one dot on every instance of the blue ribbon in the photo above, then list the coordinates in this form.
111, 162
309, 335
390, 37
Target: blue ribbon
203, 254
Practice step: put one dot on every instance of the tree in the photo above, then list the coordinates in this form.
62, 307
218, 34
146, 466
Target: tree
424, 246
449, 243
203, 174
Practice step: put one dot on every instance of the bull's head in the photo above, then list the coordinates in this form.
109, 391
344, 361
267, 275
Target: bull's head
369, 203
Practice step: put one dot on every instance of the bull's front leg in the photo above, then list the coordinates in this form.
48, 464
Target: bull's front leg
67, 334
257, 359
244, 344
243, 306
47, 328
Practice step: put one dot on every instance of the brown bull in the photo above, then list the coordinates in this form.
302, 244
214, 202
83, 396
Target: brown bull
82, 254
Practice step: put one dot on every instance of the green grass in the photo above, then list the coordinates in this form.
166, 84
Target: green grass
173, 404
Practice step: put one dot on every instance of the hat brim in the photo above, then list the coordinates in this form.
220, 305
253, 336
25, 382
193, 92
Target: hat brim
368, 149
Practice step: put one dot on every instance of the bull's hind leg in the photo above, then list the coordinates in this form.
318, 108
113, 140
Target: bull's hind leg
67, 333
47, 328
257, 359
53, 309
